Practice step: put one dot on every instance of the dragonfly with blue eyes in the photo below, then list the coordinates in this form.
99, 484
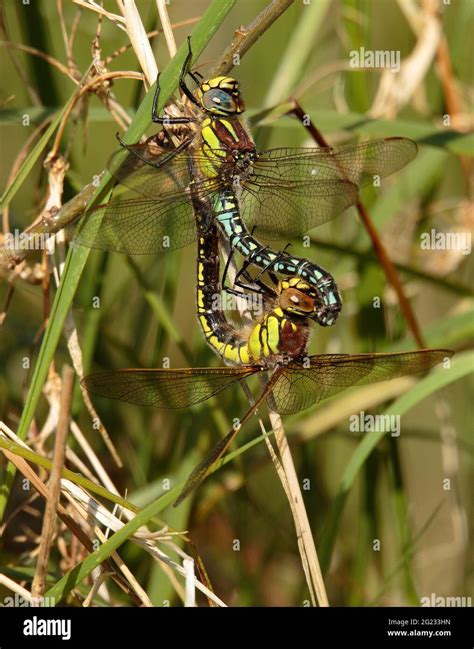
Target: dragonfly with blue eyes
280, 193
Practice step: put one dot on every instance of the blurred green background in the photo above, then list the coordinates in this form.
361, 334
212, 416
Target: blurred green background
398, 497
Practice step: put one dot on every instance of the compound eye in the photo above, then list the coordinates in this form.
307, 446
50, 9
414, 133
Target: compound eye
217, 100
297, 301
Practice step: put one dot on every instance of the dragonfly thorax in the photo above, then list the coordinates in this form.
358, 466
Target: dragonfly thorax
227, 145
220, 96
278, 338
243, 159
283, 332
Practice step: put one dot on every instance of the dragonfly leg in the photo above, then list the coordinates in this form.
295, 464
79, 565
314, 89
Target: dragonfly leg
280, 255
256, 286
241, 271
226, 270
163, 160
186, 69
196, 76
158, 119
265, 268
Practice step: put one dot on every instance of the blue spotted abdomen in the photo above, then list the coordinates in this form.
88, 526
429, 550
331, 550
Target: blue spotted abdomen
228, 217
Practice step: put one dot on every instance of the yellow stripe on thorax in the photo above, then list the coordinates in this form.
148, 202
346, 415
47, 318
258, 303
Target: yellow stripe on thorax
230, 128
265, 337
208, 135
273, 328
231, 353
211, 149
244, 354
254, 344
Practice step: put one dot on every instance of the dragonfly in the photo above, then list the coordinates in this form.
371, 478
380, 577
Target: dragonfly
276, 343
280, 193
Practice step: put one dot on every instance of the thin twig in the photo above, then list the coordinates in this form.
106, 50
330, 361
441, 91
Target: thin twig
59, 7
17, 163
245, 37
121, 74
451, 96
379, 248
39, 580
46, 57
116, 19
167, 29
141, 45
74, 27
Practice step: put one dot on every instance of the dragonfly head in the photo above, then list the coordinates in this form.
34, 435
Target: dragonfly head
220, 96
298, 297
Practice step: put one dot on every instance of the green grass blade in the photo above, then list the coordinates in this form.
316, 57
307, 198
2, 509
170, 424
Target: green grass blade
84, 568
460, 367
159, 587
76, 259
407, 554
301, 41
33, 156
328, 121
448, 332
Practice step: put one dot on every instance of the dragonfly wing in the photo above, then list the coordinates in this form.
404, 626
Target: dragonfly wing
294, 190
150, 209
163, 388
286, 210
138, 226
170, 175
152, 176
363, 163
299, 386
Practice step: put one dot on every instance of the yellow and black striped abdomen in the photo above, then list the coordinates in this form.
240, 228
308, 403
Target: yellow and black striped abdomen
273, 337
224, 339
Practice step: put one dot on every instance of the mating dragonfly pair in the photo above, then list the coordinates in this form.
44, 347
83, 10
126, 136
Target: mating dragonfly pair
202, 178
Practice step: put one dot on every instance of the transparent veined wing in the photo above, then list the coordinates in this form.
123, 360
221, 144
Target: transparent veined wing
150, 209
165, 388
299, 386
285, 193
138, 227
295, 386
292, 191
